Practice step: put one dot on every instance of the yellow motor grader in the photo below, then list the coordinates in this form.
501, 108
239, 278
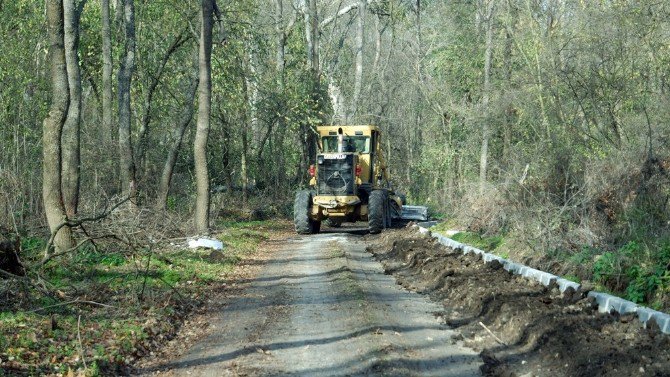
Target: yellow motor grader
349, 183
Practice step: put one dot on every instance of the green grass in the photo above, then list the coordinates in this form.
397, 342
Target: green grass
147, 292
445, 225
254, 224
473, 239
490, 244
572, 278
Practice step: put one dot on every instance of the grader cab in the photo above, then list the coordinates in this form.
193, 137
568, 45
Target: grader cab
349, 183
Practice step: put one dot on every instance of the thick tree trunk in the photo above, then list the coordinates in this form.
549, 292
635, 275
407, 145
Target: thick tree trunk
127, 163
360, 42
70, 137
178, 137
312, 38
52, 128
107, 122
204, 110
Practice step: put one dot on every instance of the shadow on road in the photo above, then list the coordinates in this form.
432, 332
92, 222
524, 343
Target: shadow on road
359, 228
323, 306
253, 348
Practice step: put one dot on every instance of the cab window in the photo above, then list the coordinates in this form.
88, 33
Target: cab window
359, 144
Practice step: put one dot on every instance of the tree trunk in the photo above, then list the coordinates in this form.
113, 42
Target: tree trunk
307, 137
140, 144
280, 53
52, 128
336, 101
244, 169
416, 136
127, 163
251, 98
378, 43
70, 137
178, 136
204, 110
281, 43
225, 154
107, 127
509, 111
483, 156
312, 38
358, 75
253, 95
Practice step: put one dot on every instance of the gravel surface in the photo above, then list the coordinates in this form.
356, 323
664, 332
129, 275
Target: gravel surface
322, 306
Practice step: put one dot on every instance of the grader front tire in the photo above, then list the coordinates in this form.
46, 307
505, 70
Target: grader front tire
377, 211
301, 208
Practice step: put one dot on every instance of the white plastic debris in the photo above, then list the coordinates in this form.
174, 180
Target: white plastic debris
207, 243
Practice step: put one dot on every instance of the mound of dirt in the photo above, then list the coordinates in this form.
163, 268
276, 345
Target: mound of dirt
520, 326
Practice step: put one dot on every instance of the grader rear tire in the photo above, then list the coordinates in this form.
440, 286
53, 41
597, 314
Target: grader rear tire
301, 208
377, 211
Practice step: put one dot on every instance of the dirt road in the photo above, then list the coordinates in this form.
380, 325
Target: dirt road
323, 306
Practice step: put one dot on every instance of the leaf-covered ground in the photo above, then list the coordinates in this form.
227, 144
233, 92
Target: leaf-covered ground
96, 312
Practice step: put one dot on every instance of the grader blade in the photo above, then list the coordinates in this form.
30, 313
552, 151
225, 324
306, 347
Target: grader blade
414, 213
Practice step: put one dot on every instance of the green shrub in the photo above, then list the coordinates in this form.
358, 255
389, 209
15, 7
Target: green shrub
572, 278
605, 267
636, 270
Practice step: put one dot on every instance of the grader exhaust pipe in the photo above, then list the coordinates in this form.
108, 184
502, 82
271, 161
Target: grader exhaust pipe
340, 140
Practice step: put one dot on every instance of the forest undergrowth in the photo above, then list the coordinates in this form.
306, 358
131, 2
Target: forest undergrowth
609, 227
97, 310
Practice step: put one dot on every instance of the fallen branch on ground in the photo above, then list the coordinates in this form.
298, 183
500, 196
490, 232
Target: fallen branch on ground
49, 257
492, 334
76, 301
78, 222
81, 347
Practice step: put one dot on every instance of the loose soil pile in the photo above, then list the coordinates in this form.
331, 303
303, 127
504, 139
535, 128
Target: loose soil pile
539, 331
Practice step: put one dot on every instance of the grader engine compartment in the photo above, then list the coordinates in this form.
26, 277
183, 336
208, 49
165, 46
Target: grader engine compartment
336, 174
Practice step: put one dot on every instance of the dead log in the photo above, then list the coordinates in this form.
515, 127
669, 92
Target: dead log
10, 247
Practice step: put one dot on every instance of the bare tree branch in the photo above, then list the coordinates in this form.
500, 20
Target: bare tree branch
75, 301
340, 13
78, 222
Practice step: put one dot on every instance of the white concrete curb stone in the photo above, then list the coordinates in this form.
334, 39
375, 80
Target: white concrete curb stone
606, 303
662, 319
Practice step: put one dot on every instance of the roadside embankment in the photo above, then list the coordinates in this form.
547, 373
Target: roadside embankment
522, 326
